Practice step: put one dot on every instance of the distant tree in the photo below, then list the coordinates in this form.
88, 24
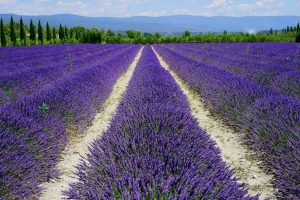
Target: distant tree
66, 33
298, 37
187, 34
133, 34
147, 35
298, 27
22, 32
53, 33
157, 35
271, 31
61, 32
79, 33
110, 33
40, 33
94, 36
13, 36
48, 32
287, 29
3, 34
32, 31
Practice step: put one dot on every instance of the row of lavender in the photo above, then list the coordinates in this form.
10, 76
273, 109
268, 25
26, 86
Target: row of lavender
282, 75
270, 121
286, 54
30, 78
34, 129
154, 148
21, 58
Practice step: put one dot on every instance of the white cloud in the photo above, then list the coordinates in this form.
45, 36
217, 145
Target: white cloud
232, 8
80, 7
217, 3
130, 7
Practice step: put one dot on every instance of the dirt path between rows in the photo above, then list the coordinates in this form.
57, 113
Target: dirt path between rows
240, 158
78, 147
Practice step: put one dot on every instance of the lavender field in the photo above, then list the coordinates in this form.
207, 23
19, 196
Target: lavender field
153, 145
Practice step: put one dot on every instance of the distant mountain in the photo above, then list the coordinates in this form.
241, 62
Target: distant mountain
168, 24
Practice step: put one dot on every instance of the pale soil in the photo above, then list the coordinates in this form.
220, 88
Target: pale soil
78, 146
240, 158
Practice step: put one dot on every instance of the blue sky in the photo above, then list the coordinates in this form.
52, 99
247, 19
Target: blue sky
121, 8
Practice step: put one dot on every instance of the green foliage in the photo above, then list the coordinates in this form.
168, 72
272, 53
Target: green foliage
92, 36
40, 33
132, 34
187, 34
66, 33
81, 34
2, 34
157, 35
44, 108
282, 140
61, 32
48, 32
298, 37
13, 36
7, 90
22, 32
117, 195
155, 196
54, 33
32, 31
110, 33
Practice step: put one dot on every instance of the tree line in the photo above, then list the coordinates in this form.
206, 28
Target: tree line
19, 34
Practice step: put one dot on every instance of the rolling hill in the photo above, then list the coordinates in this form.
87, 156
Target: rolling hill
168, 24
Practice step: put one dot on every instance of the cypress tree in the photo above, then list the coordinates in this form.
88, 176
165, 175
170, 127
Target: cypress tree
298, 27
22, 32
48, 32
32, 31
271, 31
298, 37
53, 33
13, 37
40, 33
3, 35
61, 32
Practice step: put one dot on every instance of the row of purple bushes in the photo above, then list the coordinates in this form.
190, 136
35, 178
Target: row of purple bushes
32, 77
282, 75
269, 121
33, 130
154, 148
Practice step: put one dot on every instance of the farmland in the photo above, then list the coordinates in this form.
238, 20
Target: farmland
167, 121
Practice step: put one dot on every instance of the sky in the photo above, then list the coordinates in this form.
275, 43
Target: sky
125, 8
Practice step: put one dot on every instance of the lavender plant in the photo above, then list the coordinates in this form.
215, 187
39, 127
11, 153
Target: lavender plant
154, 148
269, 120
33, 129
